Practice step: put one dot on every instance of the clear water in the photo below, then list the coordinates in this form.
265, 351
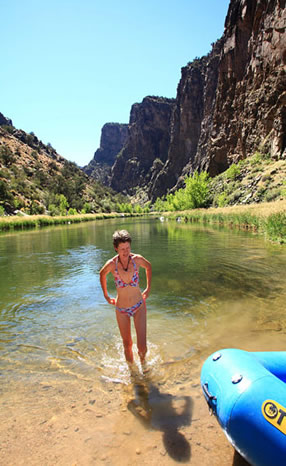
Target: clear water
59, 342
210, 288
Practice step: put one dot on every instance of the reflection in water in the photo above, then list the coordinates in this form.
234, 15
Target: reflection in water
211, 289
164, 412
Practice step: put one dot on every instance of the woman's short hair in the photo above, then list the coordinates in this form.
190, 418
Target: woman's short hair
121, 236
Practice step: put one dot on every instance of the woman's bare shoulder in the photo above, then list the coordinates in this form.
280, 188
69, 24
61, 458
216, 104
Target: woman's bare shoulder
138, 259
135, 256
109, 265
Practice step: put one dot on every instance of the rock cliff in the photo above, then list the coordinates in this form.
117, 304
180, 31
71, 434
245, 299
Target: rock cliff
232, 102
146, 149
5, 121
113, 138
250, 111
229, 104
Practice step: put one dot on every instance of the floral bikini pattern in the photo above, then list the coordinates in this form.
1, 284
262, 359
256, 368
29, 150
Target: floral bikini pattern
119, 283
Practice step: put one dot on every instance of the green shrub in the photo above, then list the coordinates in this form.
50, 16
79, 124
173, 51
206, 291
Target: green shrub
283, 189
137, 209
5, 194
256, 158
87, 209
106, 205
146, 208
272, 194
6, 155
8, 128
275, 226
234, 197
266, 177
261, 192
197, 190
232, 172
36, 208
194, 195
221, 200
159, 205
5, 174
54, 210
62, 203
124, 207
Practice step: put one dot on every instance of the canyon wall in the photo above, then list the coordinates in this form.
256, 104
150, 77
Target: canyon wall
113, 138
146, 149
229, 104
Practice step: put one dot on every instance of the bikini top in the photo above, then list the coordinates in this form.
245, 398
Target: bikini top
119, 283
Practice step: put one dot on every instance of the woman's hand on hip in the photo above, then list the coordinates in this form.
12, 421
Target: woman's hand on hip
110, 300
145, 294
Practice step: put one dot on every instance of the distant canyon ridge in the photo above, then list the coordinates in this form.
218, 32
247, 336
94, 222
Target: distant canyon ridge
229, 104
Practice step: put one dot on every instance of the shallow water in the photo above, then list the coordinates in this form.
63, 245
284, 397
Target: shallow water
60, 346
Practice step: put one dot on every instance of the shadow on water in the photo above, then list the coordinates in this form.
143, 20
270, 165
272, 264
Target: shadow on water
164, 412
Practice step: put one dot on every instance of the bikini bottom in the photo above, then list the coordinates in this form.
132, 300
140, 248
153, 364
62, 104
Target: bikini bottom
130, 311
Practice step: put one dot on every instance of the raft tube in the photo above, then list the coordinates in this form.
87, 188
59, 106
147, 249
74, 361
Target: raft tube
246, 391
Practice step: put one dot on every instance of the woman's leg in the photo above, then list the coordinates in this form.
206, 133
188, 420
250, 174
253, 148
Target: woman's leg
140, 326
124, 325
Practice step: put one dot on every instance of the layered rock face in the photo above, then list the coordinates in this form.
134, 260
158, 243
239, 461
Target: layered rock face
191, 122
146, 149
250, 111
232, 102
229, 104
113, 138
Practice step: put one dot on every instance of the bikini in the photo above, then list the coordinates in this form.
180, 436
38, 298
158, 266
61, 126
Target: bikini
119, 283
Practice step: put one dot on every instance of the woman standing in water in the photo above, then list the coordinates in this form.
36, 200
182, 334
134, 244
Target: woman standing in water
130, 302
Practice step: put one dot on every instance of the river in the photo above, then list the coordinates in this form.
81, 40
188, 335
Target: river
67, 394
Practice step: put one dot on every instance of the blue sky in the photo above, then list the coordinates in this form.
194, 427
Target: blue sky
70, 66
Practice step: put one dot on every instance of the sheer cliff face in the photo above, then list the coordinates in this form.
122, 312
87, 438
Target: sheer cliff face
113, 138
231, 102
147, 147
249, 111
191, 123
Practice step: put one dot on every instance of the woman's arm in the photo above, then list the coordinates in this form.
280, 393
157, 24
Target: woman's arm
106, 269
142, 262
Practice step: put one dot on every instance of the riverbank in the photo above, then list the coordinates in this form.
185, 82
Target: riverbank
67, 396
37, 221
83, 424
268, 218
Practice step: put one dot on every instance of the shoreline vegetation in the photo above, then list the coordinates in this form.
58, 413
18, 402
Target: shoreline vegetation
267, 218
37, 221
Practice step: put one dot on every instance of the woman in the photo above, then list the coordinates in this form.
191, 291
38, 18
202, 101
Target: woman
130, 302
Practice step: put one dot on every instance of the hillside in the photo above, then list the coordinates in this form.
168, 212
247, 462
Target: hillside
35, 179
256, 179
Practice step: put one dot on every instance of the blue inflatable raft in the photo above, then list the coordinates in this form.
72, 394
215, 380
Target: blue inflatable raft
247, 393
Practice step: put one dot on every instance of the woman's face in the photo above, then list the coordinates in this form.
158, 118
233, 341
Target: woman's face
123, 249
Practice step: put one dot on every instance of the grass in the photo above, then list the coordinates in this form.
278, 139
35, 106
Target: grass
37, 221
267, 218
